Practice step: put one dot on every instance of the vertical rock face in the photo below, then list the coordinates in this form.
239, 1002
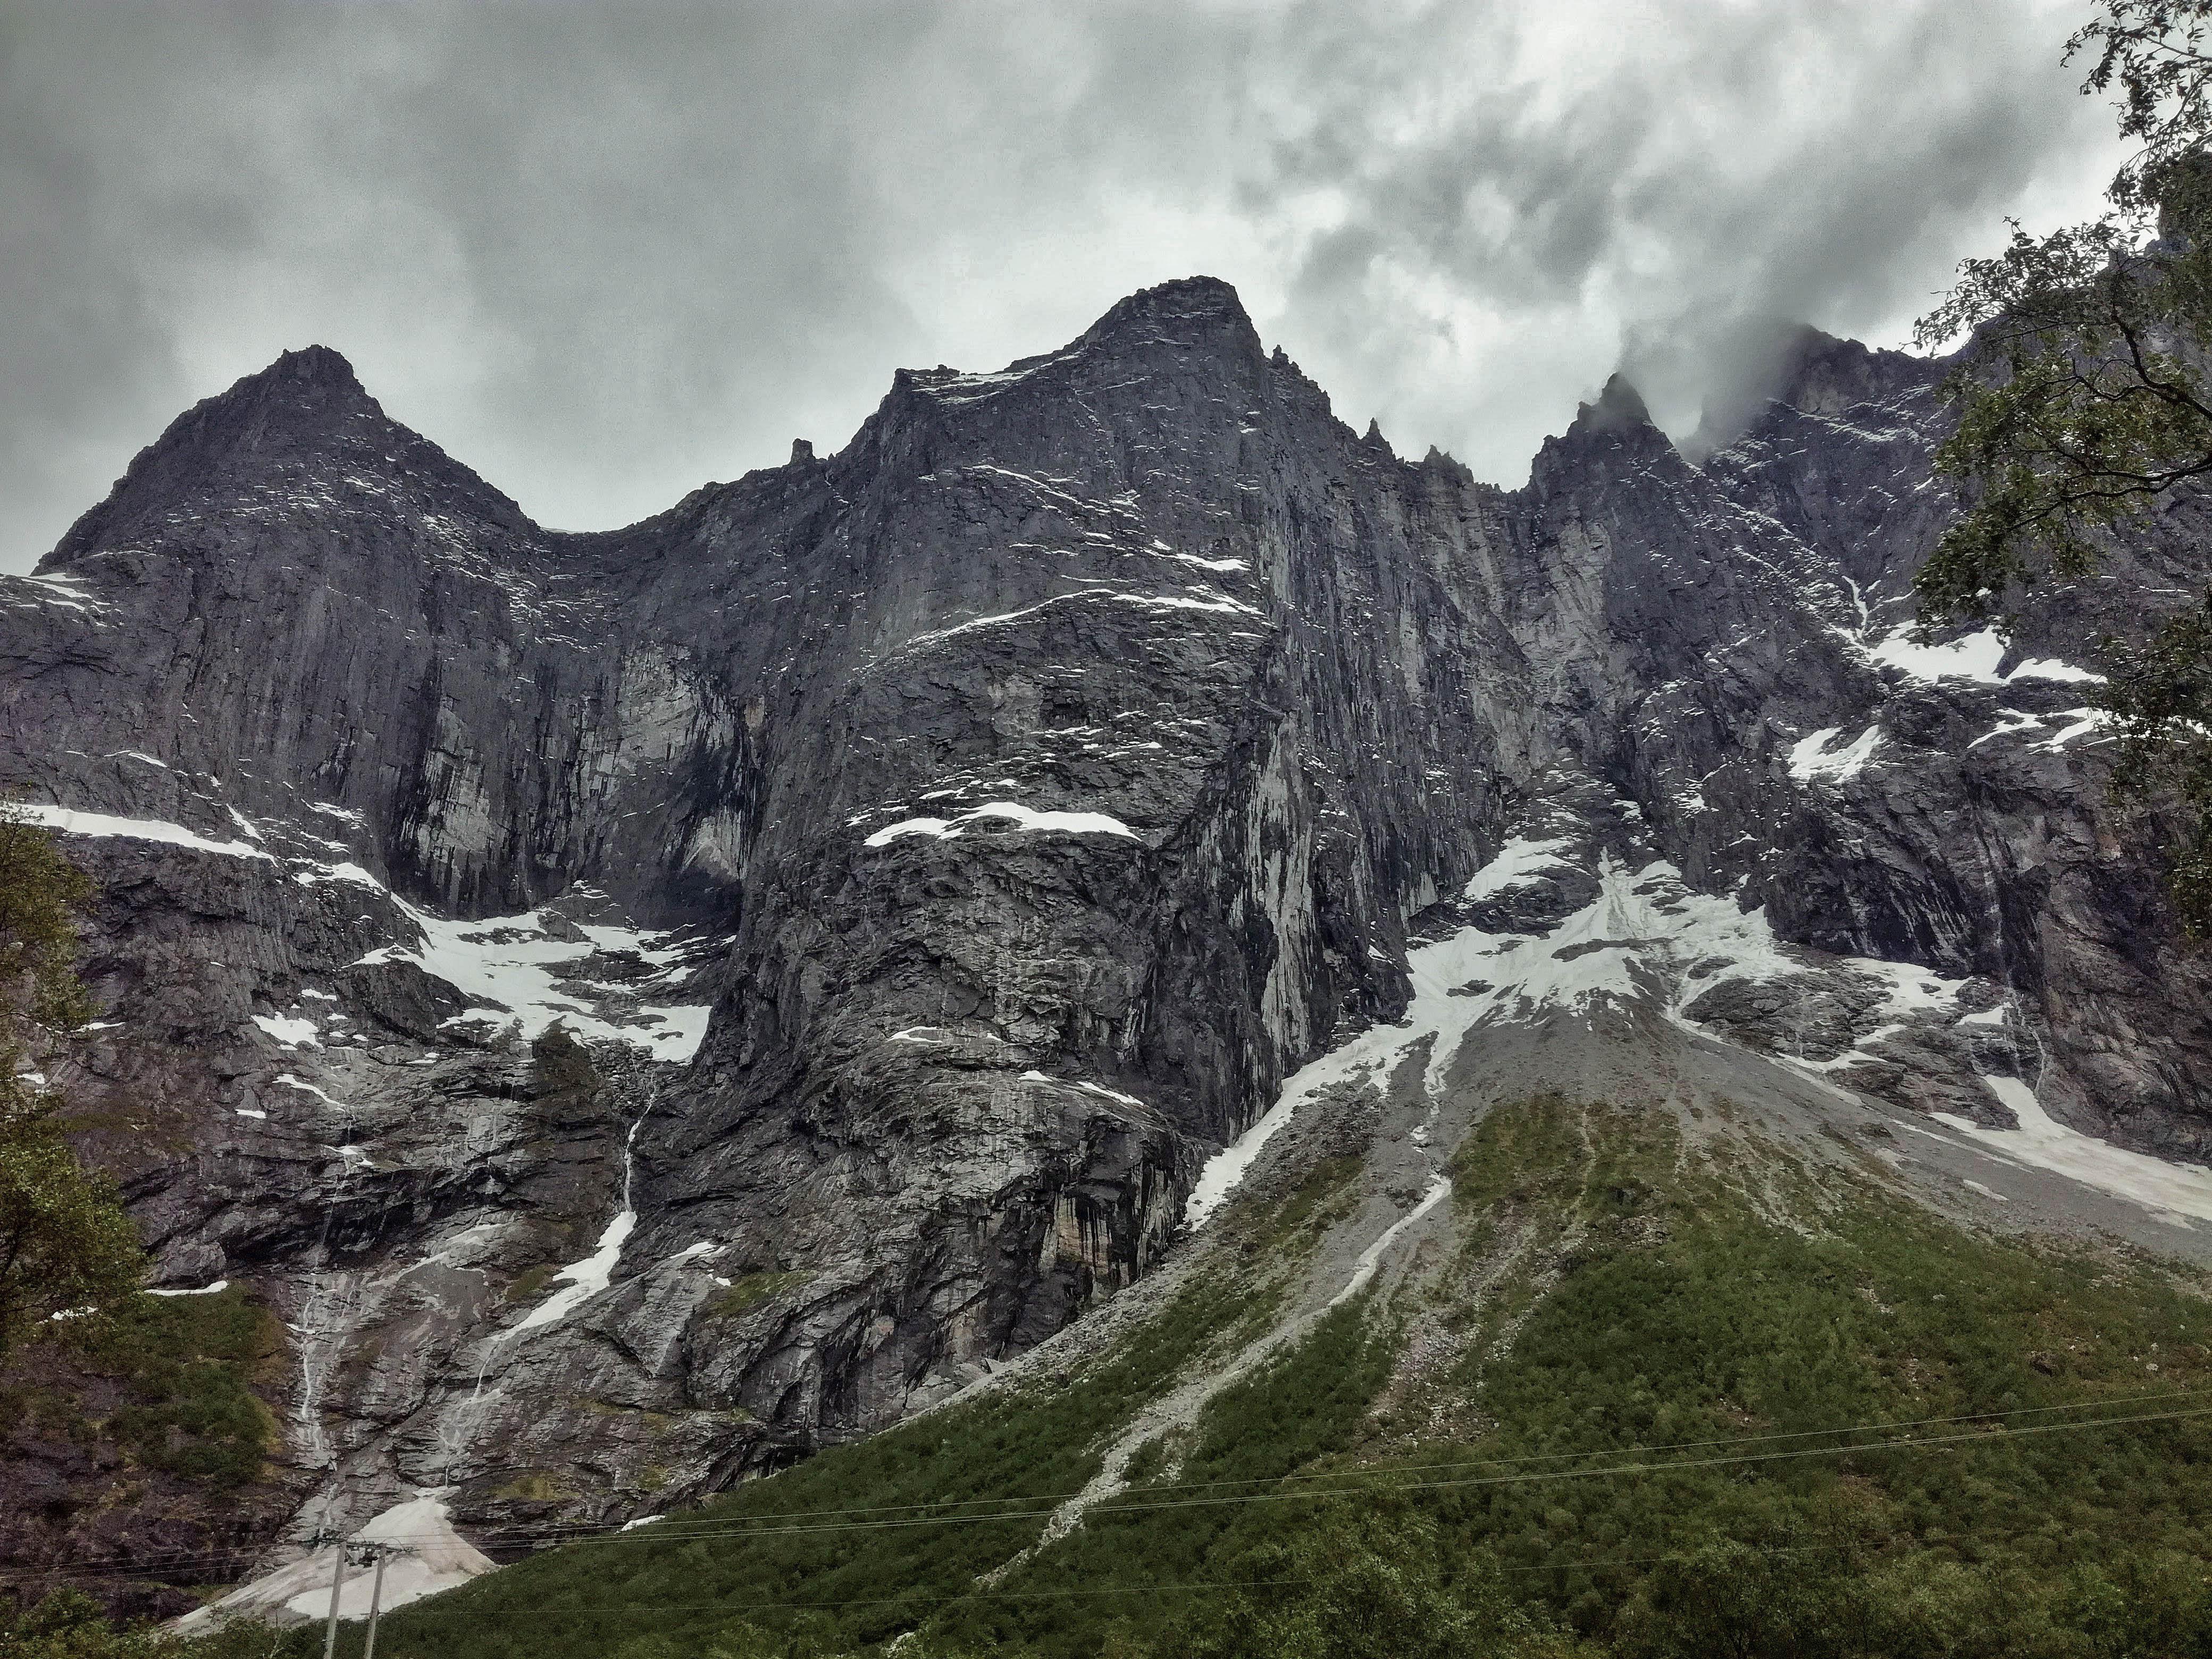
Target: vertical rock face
1026, 790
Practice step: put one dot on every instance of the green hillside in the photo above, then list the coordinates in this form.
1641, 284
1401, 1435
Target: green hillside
1676, 1389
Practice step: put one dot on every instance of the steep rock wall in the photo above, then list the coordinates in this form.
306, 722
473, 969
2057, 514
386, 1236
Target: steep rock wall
1030, 788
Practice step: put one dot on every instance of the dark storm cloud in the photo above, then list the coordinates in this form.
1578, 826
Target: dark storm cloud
605, 252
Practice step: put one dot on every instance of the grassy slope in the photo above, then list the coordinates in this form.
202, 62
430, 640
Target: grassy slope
1621, 1284
144, 1434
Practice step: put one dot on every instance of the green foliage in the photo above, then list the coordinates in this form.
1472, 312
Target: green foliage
2161, 692
530, 1283
1353, 1587
40, 894
1329, 1192
2154, 50
184, 1403
1156, 1550
2082, 401
1703, 1297
69, 1625
65, 1244
749, 1291
188, 1365
2077, 406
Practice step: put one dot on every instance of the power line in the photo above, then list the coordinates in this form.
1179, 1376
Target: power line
932, 1510
1110, 1506
1371, 1483
948, 1598
680, 1529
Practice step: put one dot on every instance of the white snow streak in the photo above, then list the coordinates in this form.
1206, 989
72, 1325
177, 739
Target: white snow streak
1974, 657
1810, 758
2171, 1190
290, 1032
587, 1279
101, 823
1026, 819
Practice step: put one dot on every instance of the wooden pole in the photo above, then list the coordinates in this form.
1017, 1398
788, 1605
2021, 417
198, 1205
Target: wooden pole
337, 1583
375, 1596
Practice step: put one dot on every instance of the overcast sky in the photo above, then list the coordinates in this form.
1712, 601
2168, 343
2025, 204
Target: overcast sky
604, 252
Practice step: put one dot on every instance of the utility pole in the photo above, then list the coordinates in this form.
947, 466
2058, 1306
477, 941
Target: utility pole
337, 1583
375, 1598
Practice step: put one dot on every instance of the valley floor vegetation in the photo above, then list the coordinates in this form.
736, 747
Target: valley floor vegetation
1677, 1390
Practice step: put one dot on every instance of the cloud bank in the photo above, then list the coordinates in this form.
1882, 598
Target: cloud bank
605, 252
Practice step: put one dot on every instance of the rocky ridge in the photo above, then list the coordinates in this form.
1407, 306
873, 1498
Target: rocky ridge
639, 1007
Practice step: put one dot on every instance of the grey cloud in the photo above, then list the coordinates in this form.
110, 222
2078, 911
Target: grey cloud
1825, 163
604, 252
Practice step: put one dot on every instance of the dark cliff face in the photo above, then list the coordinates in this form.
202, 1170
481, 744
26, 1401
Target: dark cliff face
1028, 790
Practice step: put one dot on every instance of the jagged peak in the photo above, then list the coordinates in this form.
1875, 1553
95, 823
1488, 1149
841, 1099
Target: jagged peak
1823, 375
307, 386
1207, 300
1443, 460
1798, 366
320, 364
303, 387
305, 411
1618, 407
1618, 415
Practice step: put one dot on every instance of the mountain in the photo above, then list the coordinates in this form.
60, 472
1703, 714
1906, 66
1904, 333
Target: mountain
626, 1012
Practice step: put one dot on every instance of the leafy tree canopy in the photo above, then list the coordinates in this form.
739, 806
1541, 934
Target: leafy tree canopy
65, 1243
2083, 401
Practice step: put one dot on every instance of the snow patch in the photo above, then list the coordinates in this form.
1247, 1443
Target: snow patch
1636, 942
290, 1032
2085, 720
587, 1279
1975, 657
1810, 758
204, 1290
1519, 863
508, 966
318, 874
1972, 657
1026, 819
70, 823
2044, 1143
426, 1556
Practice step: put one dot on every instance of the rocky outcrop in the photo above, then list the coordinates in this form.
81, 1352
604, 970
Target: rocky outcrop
1027, 790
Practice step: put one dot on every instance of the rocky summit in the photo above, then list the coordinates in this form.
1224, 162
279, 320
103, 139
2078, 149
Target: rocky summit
632, 1009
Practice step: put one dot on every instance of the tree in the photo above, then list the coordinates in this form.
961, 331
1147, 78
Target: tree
2084, 403
65, 1242
1364, 1588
